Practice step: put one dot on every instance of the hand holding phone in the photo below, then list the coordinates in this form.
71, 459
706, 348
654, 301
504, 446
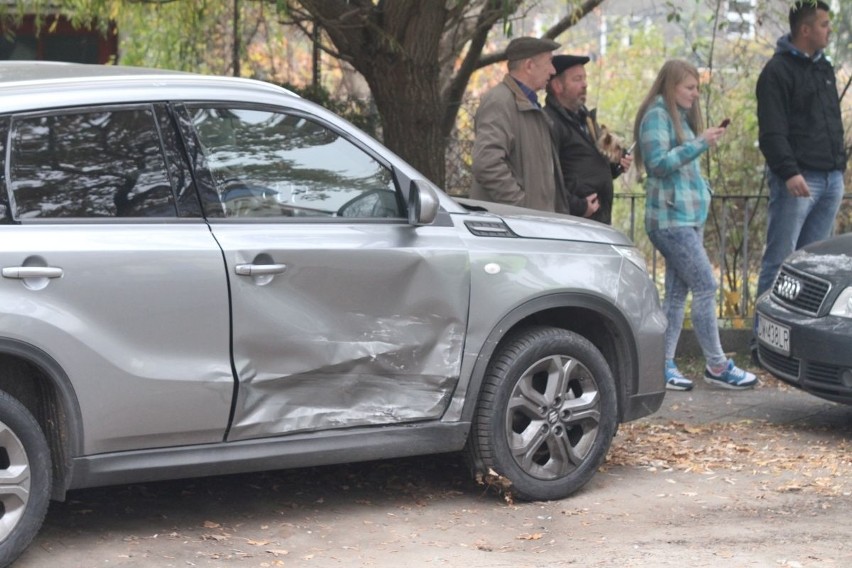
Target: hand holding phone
625, 153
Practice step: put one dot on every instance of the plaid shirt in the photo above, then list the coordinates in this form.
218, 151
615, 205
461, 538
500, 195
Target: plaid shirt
677, 194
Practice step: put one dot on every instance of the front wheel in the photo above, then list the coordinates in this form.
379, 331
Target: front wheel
25, 477
546, 415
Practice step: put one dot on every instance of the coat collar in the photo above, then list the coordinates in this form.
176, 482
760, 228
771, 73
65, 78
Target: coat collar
520, 97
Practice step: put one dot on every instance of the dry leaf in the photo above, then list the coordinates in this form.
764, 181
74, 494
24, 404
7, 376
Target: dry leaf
734, 447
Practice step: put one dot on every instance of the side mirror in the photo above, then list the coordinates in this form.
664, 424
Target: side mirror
423, 203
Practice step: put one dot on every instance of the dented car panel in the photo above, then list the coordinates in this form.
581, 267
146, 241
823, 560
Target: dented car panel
365, 326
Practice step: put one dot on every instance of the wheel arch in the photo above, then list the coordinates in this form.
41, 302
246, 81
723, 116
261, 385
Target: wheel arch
39, 383
587, 315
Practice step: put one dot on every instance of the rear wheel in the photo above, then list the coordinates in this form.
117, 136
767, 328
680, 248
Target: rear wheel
25, 477
546, 415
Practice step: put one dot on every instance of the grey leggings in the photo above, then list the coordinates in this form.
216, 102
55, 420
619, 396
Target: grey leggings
688, 269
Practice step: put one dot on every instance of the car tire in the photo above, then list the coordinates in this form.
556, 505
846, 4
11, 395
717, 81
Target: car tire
546, 415
25, 478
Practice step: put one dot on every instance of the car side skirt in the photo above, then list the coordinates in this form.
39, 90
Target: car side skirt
286, 452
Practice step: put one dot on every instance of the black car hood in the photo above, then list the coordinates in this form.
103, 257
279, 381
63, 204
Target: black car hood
831, 257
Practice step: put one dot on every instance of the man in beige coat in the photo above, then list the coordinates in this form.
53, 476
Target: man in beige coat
514, 160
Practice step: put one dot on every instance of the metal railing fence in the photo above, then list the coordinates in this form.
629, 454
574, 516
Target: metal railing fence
733, 236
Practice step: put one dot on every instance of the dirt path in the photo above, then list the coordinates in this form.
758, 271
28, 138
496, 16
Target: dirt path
673, 493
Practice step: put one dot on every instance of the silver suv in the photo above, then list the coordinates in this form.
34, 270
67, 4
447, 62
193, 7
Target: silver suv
208, 275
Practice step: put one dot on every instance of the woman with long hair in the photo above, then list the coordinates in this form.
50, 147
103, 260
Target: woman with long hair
677, 203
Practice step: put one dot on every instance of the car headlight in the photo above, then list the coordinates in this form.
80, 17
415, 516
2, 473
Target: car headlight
633, 255
843, 304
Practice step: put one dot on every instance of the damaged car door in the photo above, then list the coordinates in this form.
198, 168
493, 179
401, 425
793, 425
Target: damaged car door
343, 313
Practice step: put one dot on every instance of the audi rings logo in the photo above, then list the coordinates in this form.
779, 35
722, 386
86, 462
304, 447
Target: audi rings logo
788, 287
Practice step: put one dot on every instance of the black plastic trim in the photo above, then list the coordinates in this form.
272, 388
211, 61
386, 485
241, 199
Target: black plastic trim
298, 450
490, 229
73, 429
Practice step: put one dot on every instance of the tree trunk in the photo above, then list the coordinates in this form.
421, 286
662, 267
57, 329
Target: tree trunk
411, 110
396, 45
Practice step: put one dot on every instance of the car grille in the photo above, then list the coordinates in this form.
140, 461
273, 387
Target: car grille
824, 374
787, 366
799, 291
817, 378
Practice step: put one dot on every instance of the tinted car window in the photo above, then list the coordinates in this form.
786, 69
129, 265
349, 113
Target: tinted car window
281, 165
105, 163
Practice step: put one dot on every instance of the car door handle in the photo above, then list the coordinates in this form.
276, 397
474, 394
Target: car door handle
23, 272
260, 269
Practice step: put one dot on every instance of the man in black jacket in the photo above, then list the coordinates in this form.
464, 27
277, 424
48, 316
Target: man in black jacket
587, 172
801, 137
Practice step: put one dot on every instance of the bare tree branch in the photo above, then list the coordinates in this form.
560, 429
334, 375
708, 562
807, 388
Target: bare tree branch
454, 91
560, 26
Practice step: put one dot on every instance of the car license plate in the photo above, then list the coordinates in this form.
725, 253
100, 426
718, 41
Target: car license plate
774, 334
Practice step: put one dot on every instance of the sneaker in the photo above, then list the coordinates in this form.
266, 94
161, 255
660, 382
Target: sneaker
674, 379
731, 378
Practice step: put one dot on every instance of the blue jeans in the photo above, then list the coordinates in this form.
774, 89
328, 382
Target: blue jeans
798, 221
688, 269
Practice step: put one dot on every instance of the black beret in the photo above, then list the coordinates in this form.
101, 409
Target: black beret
526, 47
563, 62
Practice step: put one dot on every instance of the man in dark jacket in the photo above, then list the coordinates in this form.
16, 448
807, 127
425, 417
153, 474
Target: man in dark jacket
586, 171
801, 137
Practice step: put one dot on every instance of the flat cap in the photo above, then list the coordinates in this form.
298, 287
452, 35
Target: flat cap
563, 62
526, 47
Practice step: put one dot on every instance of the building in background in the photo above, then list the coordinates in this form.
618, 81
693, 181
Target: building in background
56, 39
690, 23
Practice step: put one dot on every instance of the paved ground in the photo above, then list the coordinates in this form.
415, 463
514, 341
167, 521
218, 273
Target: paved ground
773, 402
758, 478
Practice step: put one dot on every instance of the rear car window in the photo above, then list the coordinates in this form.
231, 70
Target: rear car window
84, 164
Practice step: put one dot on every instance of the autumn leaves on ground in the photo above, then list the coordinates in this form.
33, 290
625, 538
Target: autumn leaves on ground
796, 457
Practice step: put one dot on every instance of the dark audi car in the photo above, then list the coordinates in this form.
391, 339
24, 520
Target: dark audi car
804, 324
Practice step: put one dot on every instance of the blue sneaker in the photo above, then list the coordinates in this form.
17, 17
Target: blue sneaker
674, 379
731, 378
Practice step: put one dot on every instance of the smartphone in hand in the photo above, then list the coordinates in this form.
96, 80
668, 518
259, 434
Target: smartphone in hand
625, 153
725, 123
